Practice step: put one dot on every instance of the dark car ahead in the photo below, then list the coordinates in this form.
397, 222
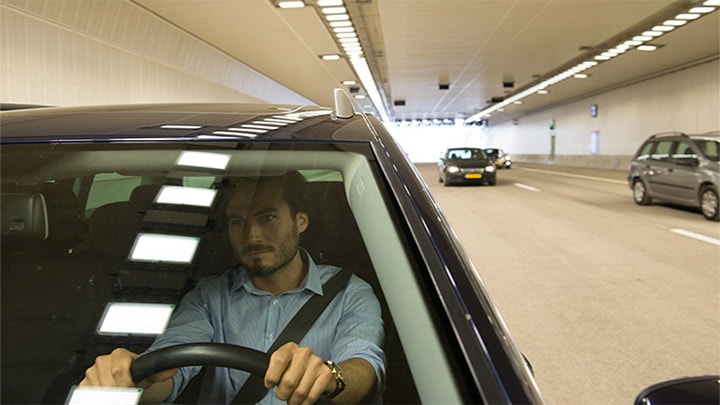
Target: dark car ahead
679, 169
501, 158
466, 166
112, 214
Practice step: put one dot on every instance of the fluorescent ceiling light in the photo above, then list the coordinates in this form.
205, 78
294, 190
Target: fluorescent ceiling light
646, 48
337, 17
543, 92
715, 3
633, 43
581, 76
236, 132
175, 126
203, 159
349, 82
344, 29
676, 23
254, 131
702, 10
331, 57
334, 10
133, 318
341, 24
687, 16
642, 38
199, 197
104, 395
346, 35
290, 117
266, 127
151, 247
663, 28
291, 4
652, 33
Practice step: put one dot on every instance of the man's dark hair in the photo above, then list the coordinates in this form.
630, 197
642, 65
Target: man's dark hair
293, 184
294, 191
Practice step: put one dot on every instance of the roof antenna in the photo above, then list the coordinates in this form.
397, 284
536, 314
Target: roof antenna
343, 105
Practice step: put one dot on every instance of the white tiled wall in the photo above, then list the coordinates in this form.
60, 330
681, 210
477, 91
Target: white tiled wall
86, 52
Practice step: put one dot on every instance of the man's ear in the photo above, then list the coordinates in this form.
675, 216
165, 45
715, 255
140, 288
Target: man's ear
302, 221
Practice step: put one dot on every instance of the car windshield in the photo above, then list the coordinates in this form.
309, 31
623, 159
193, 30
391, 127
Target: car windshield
90, 228
466, 154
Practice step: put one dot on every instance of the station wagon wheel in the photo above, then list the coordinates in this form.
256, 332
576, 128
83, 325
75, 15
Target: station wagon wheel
640, 192
709, 203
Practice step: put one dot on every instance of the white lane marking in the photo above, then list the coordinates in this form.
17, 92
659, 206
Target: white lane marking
526, 187
696, 236
577, 176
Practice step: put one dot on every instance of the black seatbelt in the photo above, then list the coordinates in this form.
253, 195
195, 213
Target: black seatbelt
254, 389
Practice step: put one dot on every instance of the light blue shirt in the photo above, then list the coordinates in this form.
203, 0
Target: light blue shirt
230, 309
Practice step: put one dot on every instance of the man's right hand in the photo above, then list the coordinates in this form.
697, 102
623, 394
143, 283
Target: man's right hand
113, 370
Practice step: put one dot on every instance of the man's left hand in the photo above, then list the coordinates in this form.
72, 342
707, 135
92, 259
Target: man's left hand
299, 374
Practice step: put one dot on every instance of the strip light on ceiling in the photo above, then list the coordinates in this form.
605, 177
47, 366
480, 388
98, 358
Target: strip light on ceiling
341, 27
636, 41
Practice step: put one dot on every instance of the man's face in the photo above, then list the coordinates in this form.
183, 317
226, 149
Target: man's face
265, 235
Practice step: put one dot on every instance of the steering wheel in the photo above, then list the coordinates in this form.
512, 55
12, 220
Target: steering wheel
200, 354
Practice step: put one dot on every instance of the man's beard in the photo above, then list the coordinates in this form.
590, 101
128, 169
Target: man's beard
286, 251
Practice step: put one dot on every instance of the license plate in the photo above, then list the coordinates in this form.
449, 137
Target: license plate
473, 176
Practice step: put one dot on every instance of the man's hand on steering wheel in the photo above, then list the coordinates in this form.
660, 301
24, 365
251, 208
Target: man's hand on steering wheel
299, 374
113, 370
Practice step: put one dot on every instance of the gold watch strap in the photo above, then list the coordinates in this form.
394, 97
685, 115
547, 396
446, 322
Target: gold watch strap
339, 379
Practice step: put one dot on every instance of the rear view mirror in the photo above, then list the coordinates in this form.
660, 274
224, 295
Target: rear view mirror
688, 390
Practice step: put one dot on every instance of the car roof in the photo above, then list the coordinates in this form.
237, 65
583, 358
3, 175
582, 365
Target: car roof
182, 121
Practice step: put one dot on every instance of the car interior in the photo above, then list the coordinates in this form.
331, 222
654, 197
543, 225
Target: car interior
71, 229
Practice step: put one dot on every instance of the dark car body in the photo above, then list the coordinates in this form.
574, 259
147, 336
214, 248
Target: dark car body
678, 169
81, 187
466, 166
501, 158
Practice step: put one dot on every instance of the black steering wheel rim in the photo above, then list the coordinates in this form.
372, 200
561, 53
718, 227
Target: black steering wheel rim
200, 354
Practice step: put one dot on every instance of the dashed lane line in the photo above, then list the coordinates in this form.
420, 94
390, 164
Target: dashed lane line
696, 236
526, 187
576, 176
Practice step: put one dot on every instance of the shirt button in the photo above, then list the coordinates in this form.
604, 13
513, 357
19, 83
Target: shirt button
270, 336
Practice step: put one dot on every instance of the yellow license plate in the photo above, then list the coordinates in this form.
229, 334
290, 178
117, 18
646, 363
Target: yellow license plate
473, 176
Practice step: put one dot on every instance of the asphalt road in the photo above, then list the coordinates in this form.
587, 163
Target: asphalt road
604, 297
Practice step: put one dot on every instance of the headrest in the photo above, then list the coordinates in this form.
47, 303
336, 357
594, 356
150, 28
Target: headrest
24, 216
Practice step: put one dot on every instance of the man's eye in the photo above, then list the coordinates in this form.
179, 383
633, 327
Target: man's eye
236, 222
267, 218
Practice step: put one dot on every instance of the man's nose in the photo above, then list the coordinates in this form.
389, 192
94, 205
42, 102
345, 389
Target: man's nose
251, 231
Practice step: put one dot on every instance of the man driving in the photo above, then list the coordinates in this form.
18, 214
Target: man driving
250, 305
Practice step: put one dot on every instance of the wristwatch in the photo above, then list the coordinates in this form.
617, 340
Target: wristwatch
339, 379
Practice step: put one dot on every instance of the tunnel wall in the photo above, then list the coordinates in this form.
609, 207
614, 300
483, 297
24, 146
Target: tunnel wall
68, 53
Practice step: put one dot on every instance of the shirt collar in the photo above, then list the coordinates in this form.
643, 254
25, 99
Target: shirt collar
311, 282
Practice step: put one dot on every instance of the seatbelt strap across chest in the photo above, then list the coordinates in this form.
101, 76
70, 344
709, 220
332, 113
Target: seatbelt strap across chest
254, 389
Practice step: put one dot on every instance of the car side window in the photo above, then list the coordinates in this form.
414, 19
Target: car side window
709, 148
109, 188
644, 153
683, 150
662, 151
